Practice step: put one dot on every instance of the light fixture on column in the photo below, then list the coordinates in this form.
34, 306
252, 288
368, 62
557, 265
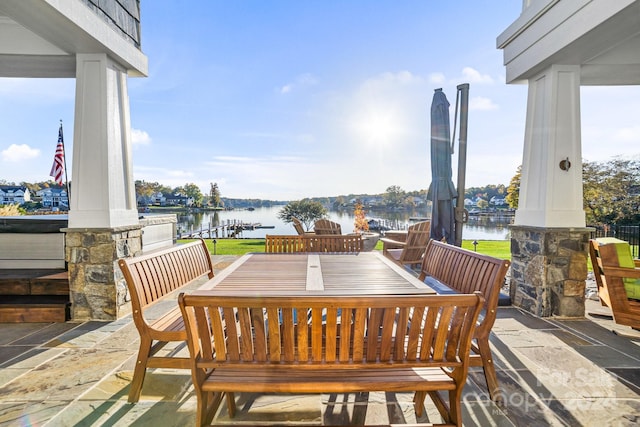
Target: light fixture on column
565, 164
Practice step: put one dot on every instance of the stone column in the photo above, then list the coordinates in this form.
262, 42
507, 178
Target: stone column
549, 238
103, 217
549, 270
97, 288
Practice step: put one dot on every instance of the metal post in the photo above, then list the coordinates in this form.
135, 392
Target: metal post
463, 90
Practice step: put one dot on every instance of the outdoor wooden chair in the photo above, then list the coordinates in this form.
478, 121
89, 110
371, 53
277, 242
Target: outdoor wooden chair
297, 224
410, 251
617, 275
325, 226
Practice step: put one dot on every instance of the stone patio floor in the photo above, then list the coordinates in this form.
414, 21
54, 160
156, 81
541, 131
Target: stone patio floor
553, 372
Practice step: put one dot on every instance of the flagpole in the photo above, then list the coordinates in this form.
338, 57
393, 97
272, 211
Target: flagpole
66, 177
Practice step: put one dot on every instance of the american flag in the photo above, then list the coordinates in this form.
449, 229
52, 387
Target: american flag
57, 170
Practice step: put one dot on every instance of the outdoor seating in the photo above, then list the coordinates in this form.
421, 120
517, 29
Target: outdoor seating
330, 344
149, 278
325, 226
410, 251
617, 276
297, 224
450, 269
313, 243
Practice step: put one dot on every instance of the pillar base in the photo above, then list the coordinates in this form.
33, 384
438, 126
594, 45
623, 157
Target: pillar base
97, 288
549, 270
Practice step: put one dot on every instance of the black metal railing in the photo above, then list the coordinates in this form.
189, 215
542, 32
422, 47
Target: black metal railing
628, 233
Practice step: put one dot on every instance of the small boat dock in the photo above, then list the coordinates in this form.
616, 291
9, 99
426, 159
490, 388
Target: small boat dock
230, 229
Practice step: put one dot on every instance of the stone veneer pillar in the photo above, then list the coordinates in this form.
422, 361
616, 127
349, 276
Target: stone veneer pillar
97, 289
549, 270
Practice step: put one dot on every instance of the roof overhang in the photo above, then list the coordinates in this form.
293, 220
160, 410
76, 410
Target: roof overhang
601, 36
40, 38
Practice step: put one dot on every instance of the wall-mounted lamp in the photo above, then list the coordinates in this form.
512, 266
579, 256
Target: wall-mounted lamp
565, 164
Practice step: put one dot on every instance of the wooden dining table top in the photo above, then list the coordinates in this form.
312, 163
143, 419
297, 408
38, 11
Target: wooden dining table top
365, 273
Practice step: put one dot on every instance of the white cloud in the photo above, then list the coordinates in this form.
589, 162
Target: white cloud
16, 153
480, 103
140, 137
437, 78
471, 75
390, 80
303, 80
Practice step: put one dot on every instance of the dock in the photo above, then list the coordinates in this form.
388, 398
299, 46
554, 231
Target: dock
230, 229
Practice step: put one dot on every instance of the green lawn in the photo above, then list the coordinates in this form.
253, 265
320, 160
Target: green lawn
495, 248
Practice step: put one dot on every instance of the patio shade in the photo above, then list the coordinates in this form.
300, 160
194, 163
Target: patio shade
441, 192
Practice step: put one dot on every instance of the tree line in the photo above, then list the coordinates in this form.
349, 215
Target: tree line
611, 192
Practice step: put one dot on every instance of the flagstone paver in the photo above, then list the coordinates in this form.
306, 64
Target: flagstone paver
552, 372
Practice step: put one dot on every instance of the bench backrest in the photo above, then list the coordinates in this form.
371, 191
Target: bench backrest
151, 276
325, 226
344, 331
313, 243
465, 272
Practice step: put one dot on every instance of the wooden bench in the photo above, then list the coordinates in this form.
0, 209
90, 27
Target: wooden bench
450, 269
329, 344
149, 278
313, 243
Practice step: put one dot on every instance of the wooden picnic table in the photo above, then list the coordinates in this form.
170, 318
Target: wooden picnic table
366, 273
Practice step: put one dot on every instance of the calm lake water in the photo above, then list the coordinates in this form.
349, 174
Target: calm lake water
475, 229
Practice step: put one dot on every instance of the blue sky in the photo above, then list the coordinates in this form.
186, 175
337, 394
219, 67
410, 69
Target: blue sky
291, 99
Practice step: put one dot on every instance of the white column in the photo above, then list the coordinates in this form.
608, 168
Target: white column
550, 196
102, 188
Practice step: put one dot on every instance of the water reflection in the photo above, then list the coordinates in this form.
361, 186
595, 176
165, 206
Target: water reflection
478, 228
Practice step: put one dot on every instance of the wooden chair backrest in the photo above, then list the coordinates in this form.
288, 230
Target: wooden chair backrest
415, 243
151, 276
467, 272
340, 331
610, 280
297, 224
598, 272
325, 226
313, 243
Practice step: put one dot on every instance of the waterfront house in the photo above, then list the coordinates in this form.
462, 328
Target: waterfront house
54, 198
14, 195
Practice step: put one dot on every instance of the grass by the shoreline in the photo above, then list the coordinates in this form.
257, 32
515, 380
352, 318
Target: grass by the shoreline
495, 248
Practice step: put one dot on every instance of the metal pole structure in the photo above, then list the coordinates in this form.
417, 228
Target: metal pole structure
66, 177
463, 91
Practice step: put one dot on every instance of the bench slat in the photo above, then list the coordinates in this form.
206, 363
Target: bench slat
329, 381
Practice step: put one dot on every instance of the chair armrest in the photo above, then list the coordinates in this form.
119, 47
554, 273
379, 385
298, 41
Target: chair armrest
625, 273
391, 244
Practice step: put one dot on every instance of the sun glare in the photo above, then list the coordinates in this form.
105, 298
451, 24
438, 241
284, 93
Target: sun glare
378, 127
